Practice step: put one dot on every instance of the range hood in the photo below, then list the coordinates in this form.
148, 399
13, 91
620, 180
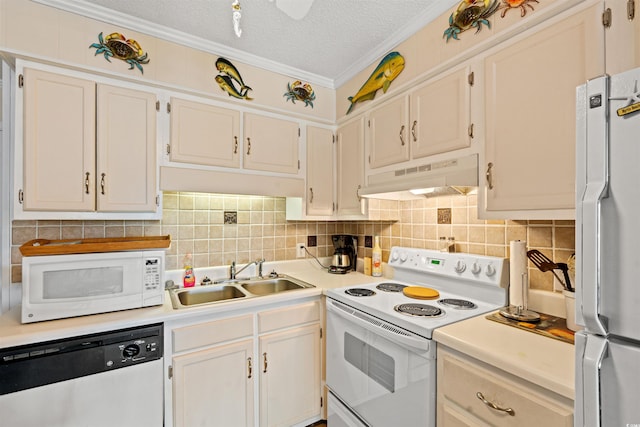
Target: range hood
446, 177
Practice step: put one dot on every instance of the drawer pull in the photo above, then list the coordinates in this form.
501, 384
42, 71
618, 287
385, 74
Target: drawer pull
494, 406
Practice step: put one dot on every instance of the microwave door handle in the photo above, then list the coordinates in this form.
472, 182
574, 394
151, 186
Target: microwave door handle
589, 212
591, 350
365, 321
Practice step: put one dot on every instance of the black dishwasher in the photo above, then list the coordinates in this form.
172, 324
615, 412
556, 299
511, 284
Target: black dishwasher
110, 378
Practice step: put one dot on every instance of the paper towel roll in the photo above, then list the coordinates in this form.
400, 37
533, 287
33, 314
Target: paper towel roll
518, 280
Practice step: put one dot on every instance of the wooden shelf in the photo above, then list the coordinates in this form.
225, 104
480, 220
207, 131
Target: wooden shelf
38, 247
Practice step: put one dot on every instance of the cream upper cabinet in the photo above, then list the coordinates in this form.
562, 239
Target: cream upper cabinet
204, 134
126, 162
59, 127
88, 147
320, 171
350, 173
270, 144
389, 133
441, 114
623, 36
473, 393
530, 84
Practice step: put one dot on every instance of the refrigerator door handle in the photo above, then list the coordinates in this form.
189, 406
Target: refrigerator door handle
591, 350
589, 214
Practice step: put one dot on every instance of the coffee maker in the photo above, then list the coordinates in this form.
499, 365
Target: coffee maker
345, 255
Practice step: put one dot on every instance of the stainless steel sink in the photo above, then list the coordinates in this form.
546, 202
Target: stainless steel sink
204, 295
234, 290
272, 286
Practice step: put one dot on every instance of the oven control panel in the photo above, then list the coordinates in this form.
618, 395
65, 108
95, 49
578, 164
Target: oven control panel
476, 268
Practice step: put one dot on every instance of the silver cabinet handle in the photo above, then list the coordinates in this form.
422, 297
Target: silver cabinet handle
402, 134
248, 146
102, 183
489, 175
413, 130
310, 194
470, 131
265, 362
358, 192
235, 145
249, 368
86, 182
494, 406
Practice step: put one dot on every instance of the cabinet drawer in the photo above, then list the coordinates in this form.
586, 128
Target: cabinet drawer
462, 380
210, 333
289, 316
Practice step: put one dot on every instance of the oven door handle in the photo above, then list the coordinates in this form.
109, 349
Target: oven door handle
384, 329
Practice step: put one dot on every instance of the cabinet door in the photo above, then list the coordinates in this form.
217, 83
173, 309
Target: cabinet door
530, 113
319, 171
126, 165
290, 376
623, 37
389, 133
270, 144
350, 157
59, 142
214, 387
440, 115
204, 134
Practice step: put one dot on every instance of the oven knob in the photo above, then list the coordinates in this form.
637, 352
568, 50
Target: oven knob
490, 270
475, 268
460, 266
403, 256
131, 350
394, 255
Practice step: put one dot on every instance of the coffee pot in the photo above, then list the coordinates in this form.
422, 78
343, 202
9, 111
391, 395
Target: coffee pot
345, 254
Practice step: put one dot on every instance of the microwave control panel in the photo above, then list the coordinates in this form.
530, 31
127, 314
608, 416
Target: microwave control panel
152, 272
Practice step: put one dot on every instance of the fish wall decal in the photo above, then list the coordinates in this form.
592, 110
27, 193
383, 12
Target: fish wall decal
228, 74
388, 69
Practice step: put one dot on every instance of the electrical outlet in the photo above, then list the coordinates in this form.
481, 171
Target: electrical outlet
368, 241
299, 250
312, 241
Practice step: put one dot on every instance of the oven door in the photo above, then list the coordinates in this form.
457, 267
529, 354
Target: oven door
385, 374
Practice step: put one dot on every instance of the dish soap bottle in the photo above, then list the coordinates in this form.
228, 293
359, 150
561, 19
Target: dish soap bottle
188, 278
376, 258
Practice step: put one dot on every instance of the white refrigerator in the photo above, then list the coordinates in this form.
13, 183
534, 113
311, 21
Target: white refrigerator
608, 251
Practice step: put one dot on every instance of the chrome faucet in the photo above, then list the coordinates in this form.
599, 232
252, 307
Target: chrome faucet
233, 272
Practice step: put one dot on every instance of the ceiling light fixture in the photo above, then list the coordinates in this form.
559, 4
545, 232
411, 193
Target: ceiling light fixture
237, 14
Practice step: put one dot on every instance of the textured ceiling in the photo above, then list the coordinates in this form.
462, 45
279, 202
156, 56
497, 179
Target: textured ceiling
333, 41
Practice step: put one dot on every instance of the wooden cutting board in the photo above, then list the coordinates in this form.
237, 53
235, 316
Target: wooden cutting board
38, 247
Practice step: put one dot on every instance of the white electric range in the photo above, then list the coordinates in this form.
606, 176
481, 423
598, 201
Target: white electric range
380, 356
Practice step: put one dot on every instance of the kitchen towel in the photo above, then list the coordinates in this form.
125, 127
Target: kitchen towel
518, 279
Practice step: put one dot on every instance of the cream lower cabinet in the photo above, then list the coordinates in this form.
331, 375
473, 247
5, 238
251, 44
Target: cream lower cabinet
204, 134
77, 154
220, 367
472, 393
271, 144
528, 170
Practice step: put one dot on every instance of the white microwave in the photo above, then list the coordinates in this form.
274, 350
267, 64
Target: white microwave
59, 286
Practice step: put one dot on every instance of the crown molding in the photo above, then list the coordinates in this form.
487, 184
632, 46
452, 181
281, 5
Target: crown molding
93, 11
89, 10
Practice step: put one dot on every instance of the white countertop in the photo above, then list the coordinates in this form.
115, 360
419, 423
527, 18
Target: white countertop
544, 361
14, 333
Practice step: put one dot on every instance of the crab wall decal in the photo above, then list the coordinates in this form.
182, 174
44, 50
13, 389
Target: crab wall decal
301, 92
118, 46
515, 4
470, 14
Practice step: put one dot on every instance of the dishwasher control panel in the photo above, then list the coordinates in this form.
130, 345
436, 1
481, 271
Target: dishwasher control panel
134, 351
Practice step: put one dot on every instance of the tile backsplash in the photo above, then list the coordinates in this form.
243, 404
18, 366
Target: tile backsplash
196, 223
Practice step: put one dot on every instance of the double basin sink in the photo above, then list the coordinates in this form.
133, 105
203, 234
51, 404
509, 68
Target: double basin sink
235, 289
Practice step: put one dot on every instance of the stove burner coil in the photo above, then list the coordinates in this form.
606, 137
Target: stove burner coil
359, 292
390, 287
422, 310
460, 304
